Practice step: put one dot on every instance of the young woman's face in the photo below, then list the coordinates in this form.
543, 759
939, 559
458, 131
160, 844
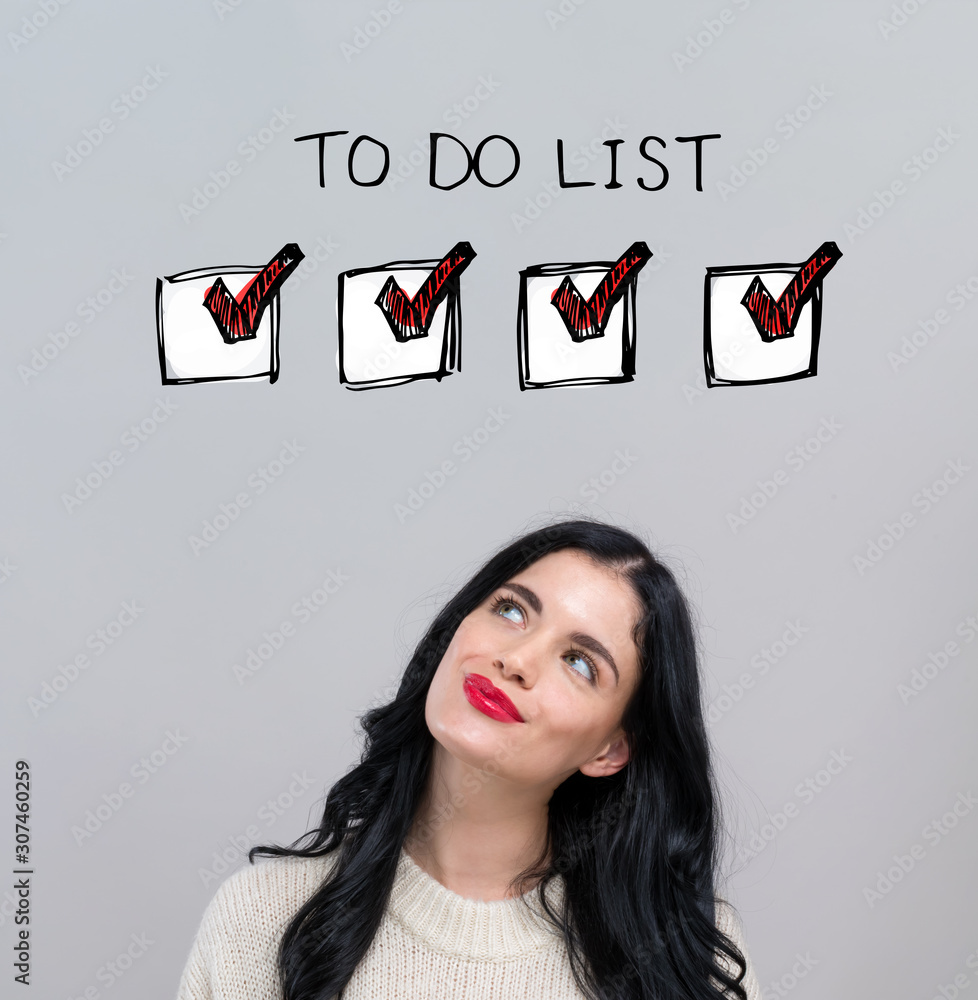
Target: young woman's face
553, 648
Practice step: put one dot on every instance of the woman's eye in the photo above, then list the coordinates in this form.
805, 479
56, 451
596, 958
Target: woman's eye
578, 663
507, 609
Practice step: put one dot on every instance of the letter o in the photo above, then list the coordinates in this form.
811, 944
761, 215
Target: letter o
64, 683
429, 488
478, 153
142, 90
106, 815
888, 539
353, 152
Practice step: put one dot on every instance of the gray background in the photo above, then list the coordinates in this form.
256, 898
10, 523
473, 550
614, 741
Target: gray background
697, 455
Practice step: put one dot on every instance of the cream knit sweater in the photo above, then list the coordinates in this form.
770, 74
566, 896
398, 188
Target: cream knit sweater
432, 944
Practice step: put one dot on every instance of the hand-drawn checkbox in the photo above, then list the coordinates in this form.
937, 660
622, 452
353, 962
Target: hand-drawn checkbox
401, 321
762, 322
576, 322
190, 343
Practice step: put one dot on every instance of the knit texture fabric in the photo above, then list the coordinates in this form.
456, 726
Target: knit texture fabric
431, 943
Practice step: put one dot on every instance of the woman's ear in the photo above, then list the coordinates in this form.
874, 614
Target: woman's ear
611, 760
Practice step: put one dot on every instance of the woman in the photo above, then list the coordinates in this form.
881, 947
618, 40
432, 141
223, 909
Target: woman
533, 814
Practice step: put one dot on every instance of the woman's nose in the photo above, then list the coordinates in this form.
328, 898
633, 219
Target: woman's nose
519, 662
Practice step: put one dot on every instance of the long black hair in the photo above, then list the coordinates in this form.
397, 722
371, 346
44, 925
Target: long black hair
638, 850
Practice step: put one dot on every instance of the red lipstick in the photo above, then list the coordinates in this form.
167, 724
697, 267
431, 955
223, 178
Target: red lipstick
486, 697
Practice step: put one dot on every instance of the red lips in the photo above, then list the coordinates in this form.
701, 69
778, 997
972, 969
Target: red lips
485, 696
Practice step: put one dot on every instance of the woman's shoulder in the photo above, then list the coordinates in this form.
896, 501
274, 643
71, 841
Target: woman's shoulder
234, 955
271, 887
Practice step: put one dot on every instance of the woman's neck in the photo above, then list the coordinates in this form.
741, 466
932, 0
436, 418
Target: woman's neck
474, 832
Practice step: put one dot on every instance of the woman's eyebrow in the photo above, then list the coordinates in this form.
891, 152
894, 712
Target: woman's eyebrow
581, 638
527, 596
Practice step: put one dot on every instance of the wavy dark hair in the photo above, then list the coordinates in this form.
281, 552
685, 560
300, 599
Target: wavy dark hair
638, 850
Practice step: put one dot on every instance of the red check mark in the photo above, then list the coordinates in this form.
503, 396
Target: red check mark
411, 318
239, 318
777, 318
587, 318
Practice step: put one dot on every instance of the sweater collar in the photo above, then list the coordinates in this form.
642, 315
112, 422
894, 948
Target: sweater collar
499, 930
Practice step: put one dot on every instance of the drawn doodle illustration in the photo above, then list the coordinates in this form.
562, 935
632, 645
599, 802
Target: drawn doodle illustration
401, 321
221, 323
576, 322
749, 335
